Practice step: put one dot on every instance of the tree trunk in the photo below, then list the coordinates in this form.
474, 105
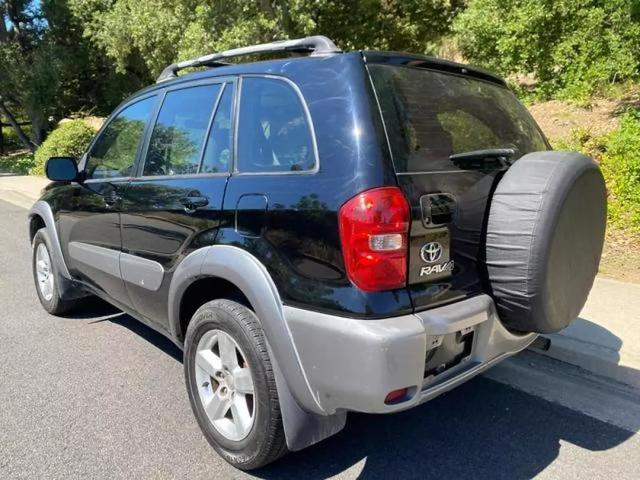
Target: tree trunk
39, 127
12, 121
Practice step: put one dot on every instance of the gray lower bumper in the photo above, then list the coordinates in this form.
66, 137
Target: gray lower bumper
352, 364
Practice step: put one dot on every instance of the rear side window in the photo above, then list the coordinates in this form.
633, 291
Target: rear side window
114, 153
178, 136
217, 155
431, 115
273, 132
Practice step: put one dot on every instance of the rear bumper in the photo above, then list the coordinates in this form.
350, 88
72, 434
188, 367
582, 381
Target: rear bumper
351, 364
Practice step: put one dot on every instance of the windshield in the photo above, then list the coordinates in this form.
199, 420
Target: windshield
431, 115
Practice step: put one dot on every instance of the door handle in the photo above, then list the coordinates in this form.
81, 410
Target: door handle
191, 204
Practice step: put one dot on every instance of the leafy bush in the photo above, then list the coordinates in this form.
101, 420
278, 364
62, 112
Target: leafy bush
17, 163
621, 167
573, 48
68, 139
619, 155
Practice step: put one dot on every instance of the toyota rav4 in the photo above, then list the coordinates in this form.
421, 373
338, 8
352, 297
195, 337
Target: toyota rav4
324, 233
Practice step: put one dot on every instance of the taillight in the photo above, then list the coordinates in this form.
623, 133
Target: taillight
374, 228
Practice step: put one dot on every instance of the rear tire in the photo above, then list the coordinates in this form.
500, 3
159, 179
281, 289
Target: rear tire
231, 385
47, 277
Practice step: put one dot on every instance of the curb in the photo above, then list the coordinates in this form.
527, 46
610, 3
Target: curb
21, 190
598, 359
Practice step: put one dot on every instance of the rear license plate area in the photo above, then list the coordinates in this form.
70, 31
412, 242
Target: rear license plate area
447, 351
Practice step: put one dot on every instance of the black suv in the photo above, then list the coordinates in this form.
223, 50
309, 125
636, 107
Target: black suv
327, 233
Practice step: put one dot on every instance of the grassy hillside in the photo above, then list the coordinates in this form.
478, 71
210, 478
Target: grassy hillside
609, 131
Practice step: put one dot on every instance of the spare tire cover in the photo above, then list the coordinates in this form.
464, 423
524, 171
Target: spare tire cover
544, 239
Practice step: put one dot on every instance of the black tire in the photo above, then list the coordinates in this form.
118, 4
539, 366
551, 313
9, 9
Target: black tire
54, 305
265, 442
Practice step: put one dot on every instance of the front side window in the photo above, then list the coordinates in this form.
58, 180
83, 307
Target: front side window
178, 136
114, 153
273, 132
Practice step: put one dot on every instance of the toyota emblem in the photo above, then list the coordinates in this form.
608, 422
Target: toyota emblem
431, 252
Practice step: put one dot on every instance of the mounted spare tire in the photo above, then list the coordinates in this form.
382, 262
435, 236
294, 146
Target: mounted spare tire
544, 239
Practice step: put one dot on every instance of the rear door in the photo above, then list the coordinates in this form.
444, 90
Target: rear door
173, 205
430, 116
89, 222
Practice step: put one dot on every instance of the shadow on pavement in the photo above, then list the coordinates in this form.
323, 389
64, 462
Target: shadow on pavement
481, 430
590, 332
101, 311
594, 347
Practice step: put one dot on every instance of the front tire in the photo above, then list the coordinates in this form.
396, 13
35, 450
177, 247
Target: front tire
231, 385
46, 276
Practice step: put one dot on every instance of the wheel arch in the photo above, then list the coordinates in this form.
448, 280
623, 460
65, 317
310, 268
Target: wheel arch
240, 272
202, 290
41, 215
36, 222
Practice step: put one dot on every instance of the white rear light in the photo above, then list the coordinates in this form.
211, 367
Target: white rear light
386, 243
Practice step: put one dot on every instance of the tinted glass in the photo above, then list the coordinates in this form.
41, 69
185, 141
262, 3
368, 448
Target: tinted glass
178, 135
217, 155
431, 115
273, 131
114, 153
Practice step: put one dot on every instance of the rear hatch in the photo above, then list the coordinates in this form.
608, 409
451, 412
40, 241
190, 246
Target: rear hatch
452, 133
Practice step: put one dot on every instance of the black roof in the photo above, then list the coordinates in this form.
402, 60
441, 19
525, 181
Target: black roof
424, 61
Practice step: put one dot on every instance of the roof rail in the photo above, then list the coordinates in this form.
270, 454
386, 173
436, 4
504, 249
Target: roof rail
316, 45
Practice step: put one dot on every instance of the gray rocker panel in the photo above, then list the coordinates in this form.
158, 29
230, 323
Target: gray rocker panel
100, 258
139, 271
142, 272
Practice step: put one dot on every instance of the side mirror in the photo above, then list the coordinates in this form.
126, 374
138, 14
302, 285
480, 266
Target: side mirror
61, 169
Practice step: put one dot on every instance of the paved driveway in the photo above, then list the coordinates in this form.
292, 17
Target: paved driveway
98, 395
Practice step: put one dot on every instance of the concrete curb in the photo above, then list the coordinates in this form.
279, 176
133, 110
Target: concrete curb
21, 190
605, 339
595, 358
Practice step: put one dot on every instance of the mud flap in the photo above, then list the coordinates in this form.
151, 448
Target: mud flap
303, 429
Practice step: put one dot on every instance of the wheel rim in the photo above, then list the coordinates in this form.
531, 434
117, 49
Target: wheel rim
225, 386
44, 273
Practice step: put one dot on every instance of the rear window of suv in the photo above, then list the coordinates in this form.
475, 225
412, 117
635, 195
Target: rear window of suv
431, 115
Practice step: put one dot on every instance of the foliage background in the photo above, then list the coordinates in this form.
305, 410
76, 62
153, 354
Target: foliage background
59, 58
573, 48
71, 138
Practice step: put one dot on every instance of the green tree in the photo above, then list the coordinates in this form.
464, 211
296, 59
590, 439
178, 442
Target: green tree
48, 69
572, 47
146, 36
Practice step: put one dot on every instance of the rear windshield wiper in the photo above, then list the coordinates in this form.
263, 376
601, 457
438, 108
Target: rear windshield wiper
489, 159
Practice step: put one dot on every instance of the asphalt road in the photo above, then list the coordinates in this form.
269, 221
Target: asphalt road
98, 395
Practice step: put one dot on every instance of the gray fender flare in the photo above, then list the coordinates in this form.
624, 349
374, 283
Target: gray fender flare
43, 210
305, 422
69, 289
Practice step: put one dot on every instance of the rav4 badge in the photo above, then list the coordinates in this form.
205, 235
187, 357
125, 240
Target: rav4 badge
443, 267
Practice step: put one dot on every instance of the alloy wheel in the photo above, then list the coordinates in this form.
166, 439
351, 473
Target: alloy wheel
225, 386
44, 272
